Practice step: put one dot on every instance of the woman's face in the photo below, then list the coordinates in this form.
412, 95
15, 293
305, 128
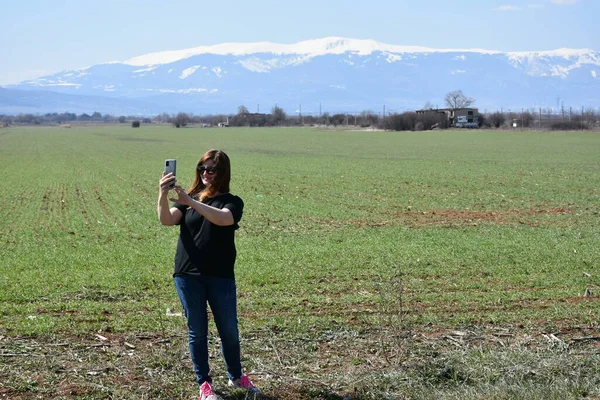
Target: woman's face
208, 173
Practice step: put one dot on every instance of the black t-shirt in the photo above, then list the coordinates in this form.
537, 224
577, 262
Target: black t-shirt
204, 248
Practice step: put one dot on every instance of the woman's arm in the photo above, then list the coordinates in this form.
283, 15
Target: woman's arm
220, 217
167, 216
217, 216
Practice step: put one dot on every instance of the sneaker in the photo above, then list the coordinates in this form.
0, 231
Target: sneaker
244, 382
206, 392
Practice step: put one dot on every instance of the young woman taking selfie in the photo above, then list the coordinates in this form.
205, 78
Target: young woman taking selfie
208, 216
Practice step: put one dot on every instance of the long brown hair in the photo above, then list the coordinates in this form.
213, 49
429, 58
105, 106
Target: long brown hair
221, 181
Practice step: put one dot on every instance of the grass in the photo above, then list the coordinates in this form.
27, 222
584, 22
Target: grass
371, 265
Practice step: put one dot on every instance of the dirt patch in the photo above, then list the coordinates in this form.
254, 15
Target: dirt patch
446, 218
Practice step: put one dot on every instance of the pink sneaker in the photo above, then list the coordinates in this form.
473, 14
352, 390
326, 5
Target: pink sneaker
206, 392
244, 382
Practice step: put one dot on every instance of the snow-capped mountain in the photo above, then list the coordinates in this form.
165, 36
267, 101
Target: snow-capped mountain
331, 74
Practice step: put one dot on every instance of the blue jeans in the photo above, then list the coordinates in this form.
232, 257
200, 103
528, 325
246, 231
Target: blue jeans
220, 293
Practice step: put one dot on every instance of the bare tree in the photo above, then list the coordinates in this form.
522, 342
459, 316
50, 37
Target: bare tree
180, 120
496, 119
456, 99
278, 115
527, 119
242, 110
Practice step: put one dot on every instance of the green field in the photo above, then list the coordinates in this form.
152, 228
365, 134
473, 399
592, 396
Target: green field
371, 265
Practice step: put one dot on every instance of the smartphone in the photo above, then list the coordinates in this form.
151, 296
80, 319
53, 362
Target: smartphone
171, 167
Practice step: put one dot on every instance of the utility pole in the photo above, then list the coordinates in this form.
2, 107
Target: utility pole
383, 112
320, 110
257, 108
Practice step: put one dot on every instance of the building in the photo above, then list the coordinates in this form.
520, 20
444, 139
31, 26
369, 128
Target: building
458, 118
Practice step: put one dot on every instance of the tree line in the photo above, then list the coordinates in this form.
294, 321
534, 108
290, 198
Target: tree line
409, 120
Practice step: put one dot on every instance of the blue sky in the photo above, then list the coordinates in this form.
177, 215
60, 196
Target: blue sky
40, 37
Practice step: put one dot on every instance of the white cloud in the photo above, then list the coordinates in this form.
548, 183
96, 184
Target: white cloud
507, 8
563, 2
535, 5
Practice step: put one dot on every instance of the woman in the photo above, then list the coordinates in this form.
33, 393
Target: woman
208, 217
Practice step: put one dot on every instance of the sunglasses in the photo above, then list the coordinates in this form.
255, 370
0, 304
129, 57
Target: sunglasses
209, 170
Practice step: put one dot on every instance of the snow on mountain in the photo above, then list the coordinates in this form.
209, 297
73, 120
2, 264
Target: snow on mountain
556, 62
338, 73
309, 48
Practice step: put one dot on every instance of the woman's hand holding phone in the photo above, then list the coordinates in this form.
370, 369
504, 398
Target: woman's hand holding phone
167, 182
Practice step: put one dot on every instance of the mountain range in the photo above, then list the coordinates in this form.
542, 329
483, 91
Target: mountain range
324, 75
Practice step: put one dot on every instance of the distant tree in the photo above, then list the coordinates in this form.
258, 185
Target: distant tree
163, 118
432, 120
258, 120
483, 121
242, 110
368, 118
456, 99
122, 119
7, 120
338, 119
278, 115
181, 120
527, 119
239, 120
406, 121
568, 126
64, 117
96, 116
496, 119
25, 119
